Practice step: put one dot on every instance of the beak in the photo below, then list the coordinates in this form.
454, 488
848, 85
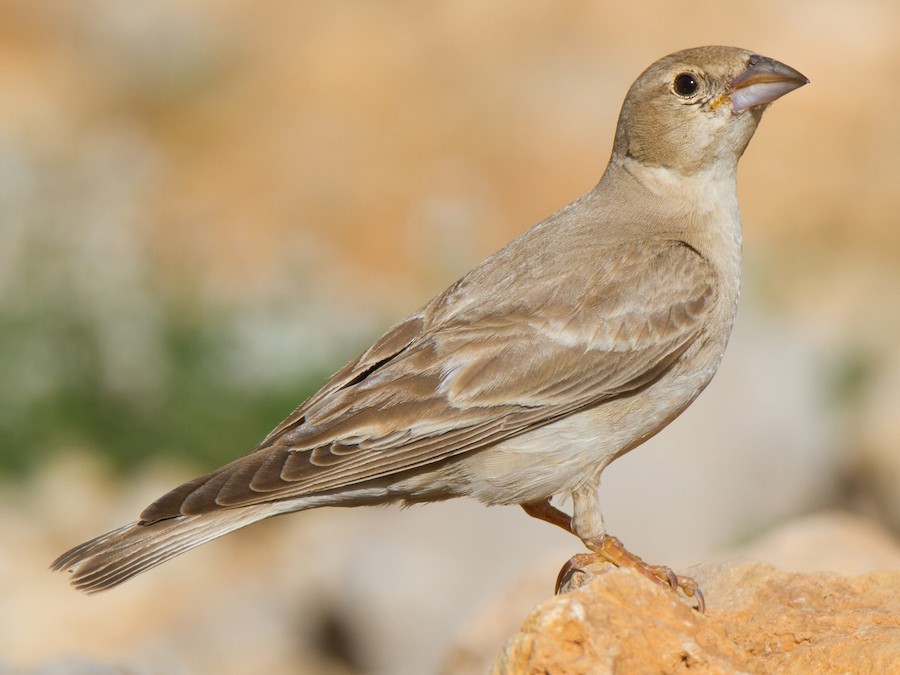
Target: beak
764, 81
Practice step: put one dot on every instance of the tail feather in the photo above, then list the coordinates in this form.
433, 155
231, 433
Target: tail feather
114, 557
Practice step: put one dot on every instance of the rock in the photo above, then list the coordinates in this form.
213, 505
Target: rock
758, 620
826, 541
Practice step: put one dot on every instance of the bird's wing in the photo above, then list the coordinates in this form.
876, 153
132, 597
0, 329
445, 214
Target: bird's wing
459, 376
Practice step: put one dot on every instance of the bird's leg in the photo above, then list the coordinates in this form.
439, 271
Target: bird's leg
549, 514
587, 524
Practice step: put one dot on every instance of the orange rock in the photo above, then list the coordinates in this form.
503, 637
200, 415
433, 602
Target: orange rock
758, 620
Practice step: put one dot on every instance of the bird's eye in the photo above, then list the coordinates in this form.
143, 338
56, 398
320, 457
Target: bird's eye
686, 84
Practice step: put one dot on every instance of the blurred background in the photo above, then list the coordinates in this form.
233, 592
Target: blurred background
208, 207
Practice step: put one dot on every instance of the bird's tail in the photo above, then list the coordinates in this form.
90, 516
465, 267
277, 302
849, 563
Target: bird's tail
116, 556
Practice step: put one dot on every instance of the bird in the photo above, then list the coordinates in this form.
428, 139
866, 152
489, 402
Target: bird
573, 344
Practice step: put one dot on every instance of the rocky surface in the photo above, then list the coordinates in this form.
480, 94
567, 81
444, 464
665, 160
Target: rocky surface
782, 615
758, 620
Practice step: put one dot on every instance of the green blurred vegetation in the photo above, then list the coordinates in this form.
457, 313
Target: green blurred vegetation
196, 411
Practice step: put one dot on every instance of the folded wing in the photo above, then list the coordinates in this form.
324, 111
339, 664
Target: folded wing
454, 378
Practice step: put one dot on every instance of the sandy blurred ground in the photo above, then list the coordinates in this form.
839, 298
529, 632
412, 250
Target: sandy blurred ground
317, 169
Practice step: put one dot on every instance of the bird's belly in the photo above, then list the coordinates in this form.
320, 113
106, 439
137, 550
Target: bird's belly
559, 457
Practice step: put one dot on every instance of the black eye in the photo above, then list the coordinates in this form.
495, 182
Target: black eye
686, 84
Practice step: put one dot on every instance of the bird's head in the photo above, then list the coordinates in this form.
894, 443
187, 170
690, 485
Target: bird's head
699, 107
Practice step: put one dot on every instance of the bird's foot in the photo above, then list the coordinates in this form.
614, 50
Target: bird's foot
609, 549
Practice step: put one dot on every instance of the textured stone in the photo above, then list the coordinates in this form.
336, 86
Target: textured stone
758, 620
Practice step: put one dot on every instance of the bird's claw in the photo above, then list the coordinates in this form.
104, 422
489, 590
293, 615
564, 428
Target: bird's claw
665, 576
574, 564
609, 549
692, 590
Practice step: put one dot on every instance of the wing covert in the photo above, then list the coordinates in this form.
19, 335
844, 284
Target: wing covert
452, 379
